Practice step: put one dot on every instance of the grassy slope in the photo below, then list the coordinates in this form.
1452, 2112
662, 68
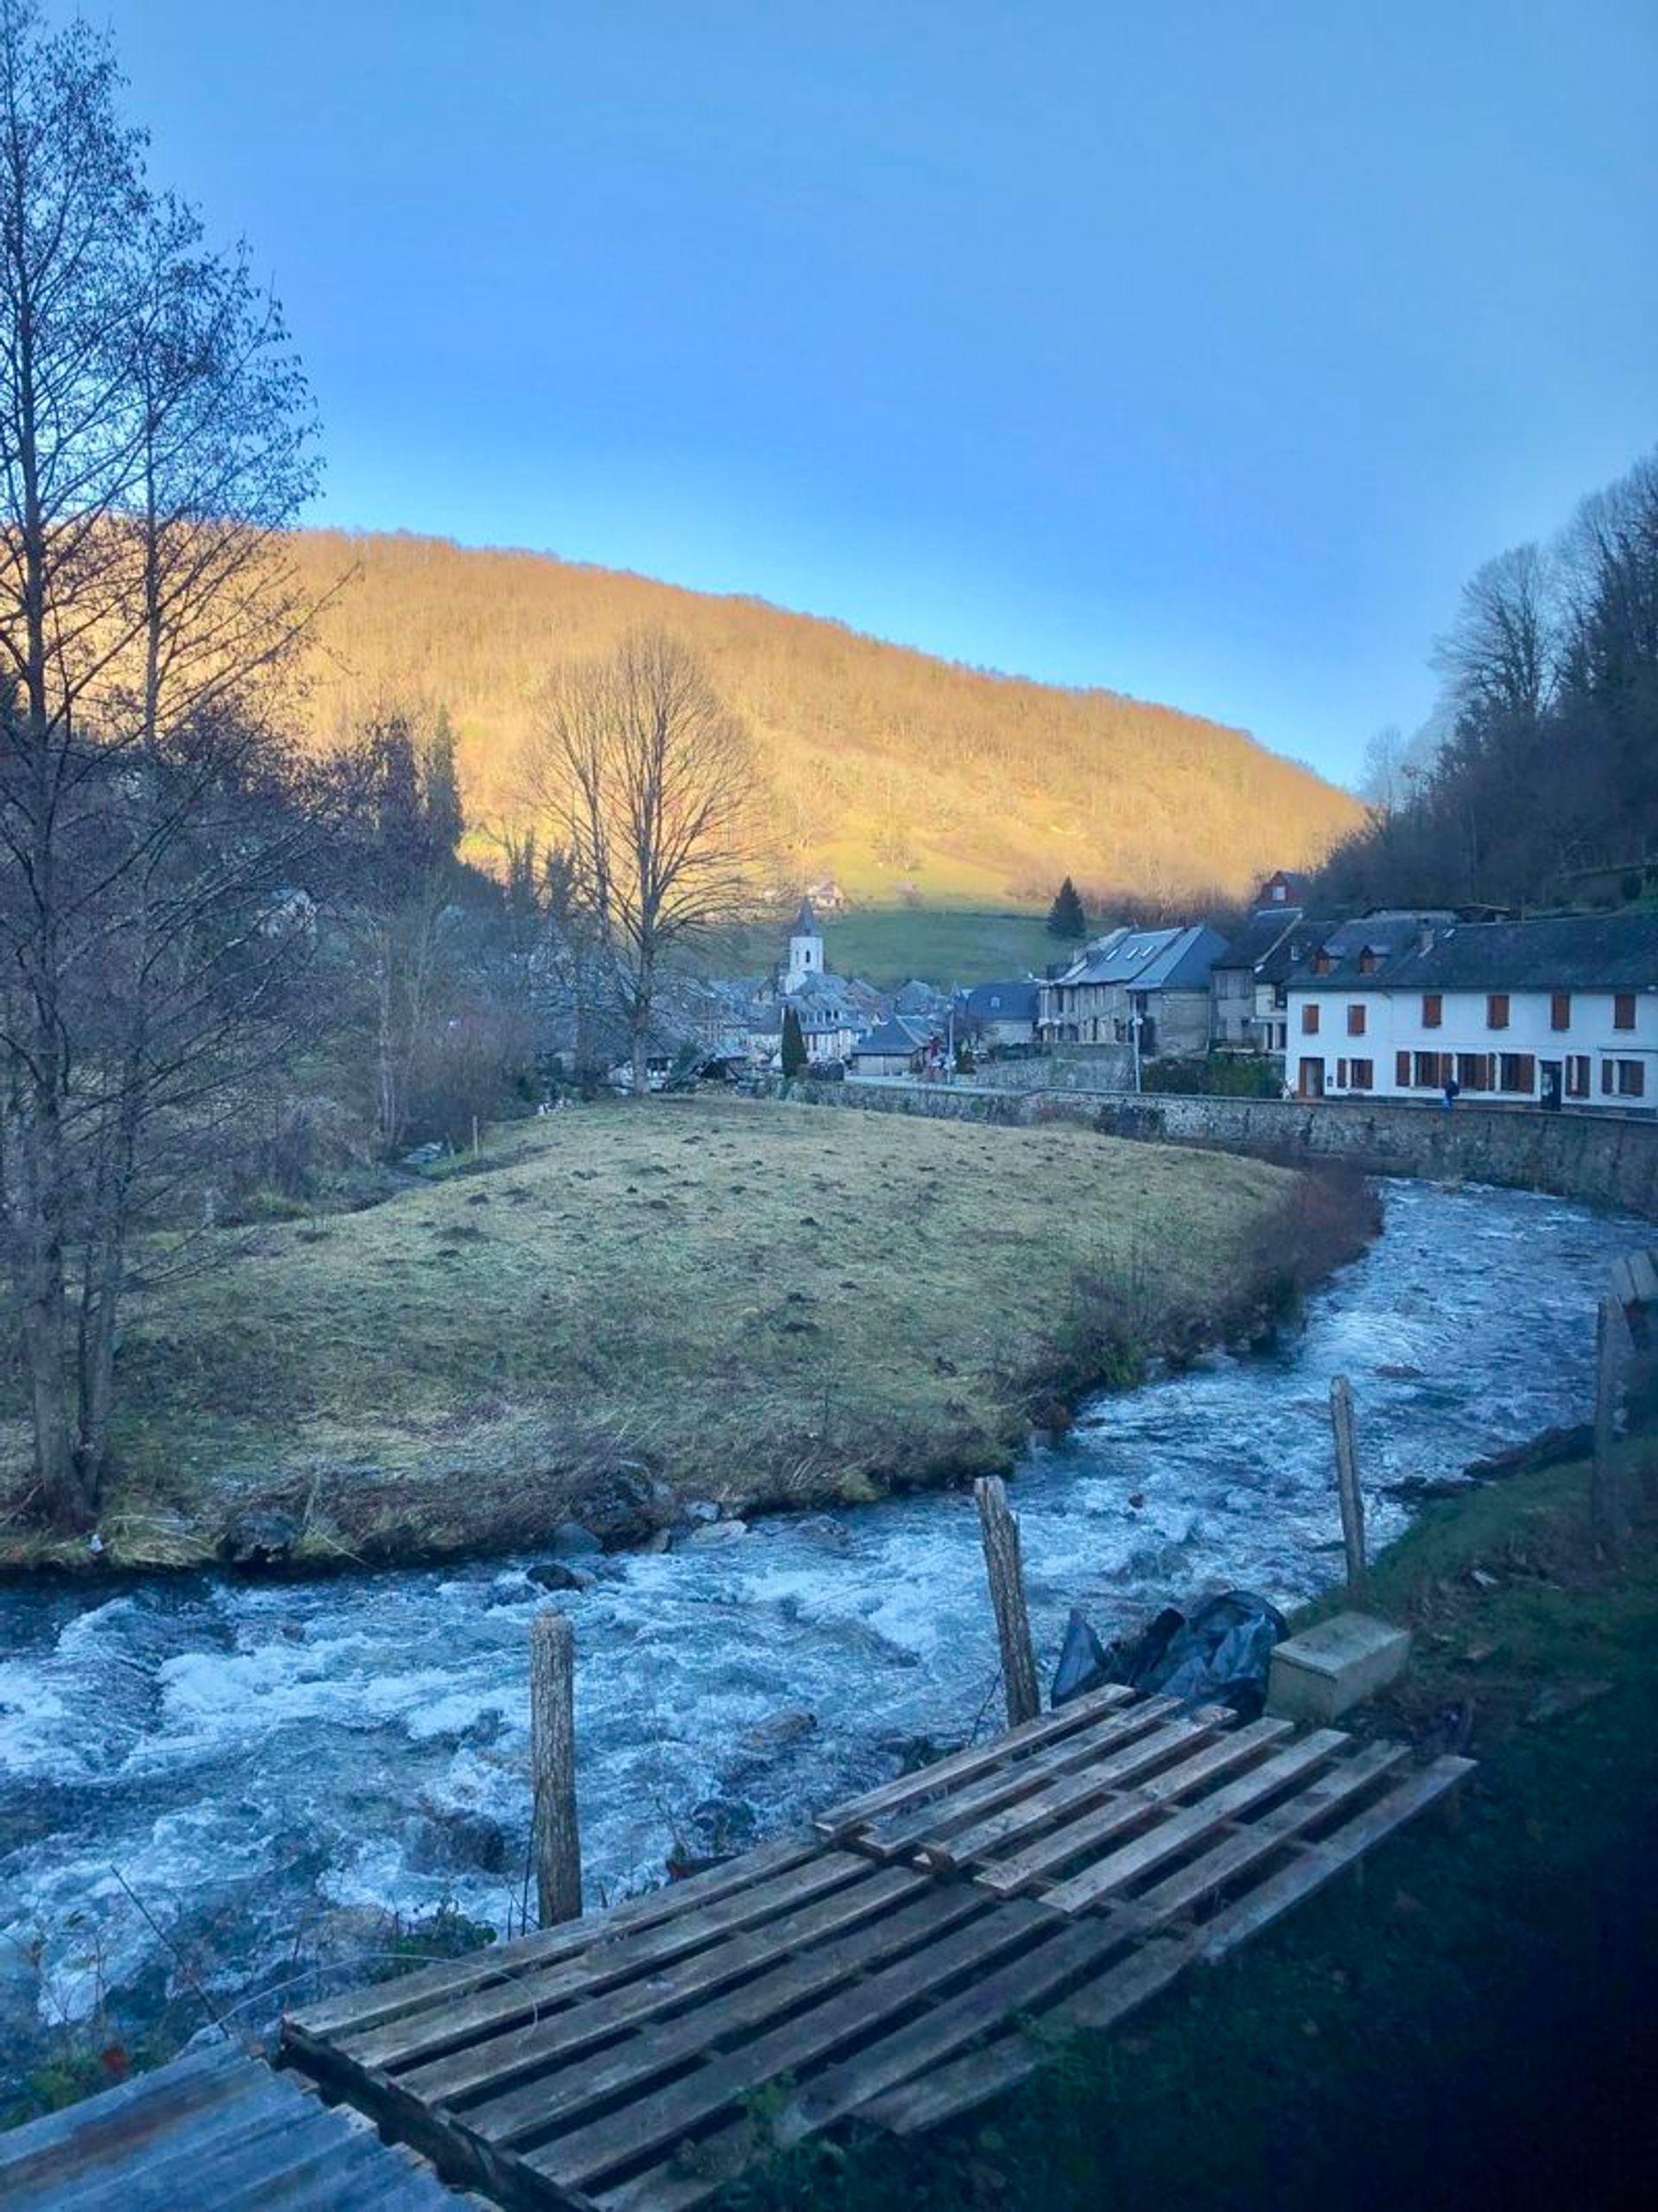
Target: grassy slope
888, 945
714, 1289
1470, 2023
887, 769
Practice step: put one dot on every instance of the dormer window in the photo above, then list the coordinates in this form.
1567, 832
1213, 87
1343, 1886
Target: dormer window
1321, 963
1368, 962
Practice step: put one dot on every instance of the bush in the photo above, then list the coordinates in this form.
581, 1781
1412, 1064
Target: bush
1218, 1075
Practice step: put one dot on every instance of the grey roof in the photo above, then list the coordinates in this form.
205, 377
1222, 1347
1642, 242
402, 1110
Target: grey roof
1150, 960
1260, 936
1568, 953
1360, 953
806, 922
900, 1035
915, 997
1002, 1002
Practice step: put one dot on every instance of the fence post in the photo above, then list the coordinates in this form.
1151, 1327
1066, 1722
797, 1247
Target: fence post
1002, 1562
557, 1840
1347, 1489
1605, 1491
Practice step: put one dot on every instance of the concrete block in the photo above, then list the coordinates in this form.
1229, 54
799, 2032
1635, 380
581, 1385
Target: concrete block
1326, 1671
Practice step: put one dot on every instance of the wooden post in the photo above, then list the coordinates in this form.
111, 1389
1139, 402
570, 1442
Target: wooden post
1605, 1492
1002, 1564
1347, 1489
553, 1766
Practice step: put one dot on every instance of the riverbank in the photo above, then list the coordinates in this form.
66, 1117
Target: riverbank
618, 1311
1471, 2024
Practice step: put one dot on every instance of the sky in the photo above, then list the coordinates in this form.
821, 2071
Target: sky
1201, 350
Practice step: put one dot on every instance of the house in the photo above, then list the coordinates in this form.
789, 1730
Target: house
1247, 1006
1289, 887
901, 1046
1145, 985
1559, 1011
1001, 1015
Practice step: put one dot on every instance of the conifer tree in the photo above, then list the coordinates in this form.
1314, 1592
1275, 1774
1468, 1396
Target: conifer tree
1065, 917
794, 1045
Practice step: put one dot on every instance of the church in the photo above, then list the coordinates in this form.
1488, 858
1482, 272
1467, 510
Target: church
833, 1011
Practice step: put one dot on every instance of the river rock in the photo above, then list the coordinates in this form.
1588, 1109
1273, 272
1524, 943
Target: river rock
259, 1539
573, 1540
1552, 1449
553, 1575
450, 1840
699, 1510
774, 1733
711, 1534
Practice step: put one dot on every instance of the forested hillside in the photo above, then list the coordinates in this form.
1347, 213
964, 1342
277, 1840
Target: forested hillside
887, 770
1537, 782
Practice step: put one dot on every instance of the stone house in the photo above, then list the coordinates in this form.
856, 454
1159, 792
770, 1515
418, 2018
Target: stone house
1149, 984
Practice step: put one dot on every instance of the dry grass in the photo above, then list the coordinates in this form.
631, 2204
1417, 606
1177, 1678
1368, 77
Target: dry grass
758, 1301
895, 773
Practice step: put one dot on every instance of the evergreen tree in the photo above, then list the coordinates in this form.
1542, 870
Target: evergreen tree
1065, 917
794, 1045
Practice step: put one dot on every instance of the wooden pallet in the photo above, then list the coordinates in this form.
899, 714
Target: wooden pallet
639, 2061
214, 2128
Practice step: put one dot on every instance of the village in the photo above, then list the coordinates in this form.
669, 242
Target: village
1422, 1006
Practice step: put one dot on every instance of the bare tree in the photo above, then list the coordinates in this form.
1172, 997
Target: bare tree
647, 782
155, 441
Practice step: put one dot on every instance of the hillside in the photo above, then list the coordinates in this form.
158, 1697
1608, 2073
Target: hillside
893, 773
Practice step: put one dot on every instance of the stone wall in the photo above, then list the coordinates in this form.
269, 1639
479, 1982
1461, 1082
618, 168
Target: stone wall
1596, 1159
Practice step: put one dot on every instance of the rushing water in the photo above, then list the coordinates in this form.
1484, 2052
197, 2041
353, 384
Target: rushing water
250, 1762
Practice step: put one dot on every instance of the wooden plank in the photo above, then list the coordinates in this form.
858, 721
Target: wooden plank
358, 2009
404, 2041
1025, 1982
932, 1823
1182, 1829
1180, 1893
97, 2128
967, 1765
1133, 1809
1644, 1279
498, 2060
1318, 1863
537, 2106
945, 2092
555, 1830
1072, 1793
591, 2152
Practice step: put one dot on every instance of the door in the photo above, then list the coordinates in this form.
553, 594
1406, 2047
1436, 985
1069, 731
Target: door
1551, 1080
1312, 1084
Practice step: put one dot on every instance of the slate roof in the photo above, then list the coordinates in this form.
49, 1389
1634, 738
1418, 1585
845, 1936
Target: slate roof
902, 1034
1566, 953
1002, 1002
1262, 933
918, 997
1150, 960
806, 922
1364, 951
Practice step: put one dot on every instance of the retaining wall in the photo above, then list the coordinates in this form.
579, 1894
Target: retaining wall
1596, 1159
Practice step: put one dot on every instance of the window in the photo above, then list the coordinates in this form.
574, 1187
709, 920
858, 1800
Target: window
1368, 962
1361, 1074
1577, 1075
1517, 1071
1431, 1070
1496, 1011
1401, 1070
1280, 997
1631, 1079
1432, 1010
1623, 1012
1355, 1021
1309, 1021
1320, 963
1474, 1071
1560, 1011
1341, 1075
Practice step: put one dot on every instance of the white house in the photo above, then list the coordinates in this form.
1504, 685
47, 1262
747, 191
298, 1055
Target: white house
1559, 1011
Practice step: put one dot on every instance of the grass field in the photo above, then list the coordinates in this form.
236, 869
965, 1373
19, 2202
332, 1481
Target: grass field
888, 945
760, 1303
1470, 2025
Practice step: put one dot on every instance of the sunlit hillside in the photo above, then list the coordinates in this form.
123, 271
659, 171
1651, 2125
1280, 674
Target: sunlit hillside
890, 772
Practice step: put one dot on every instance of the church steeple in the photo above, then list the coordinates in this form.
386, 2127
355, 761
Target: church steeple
805, 948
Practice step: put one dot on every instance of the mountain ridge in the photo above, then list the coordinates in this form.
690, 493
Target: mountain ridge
895, 774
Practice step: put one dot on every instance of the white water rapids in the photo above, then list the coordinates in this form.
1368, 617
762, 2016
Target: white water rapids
251, 1762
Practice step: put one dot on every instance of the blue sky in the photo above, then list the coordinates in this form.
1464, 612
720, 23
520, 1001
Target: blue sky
1200, 350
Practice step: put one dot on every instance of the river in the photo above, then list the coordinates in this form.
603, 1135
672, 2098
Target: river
220, 1783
